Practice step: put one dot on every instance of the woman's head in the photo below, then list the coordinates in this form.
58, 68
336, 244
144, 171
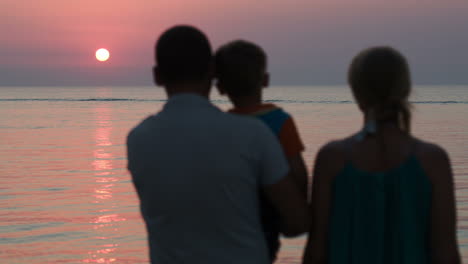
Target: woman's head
380, 80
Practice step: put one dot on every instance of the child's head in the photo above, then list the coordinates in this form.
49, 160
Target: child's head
241, 69
380, 80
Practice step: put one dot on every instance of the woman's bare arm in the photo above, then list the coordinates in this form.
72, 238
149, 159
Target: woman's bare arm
328, 163
443, 239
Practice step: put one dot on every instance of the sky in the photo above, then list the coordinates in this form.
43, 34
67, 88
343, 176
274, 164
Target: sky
308, 42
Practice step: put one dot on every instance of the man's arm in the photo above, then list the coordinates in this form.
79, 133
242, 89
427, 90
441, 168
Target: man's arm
279, 185
299, 173
291, 205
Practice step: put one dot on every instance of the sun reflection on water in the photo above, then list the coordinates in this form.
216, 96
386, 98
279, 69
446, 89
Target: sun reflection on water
104, 223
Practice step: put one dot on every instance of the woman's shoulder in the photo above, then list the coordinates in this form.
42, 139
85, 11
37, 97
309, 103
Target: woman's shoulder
429, 150
336, 148
433, 158
332, 156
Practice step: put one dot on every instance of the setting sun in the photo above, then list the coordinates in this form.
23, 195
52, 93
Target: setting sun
102, 55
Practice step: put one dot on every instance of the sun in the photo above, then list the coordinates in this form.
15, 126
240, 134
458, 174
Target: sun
102, 55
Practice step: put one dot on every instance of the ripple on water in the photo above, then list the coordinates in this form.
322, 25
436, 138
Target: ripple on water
65, 195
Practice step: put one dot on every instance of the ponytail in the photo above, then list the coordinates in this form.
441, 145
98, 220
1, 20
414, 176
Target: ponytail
398, 110
405, 117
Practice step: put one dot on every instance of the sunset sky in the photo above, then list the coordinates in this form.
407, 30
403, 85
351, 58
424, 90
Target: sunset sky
52, 42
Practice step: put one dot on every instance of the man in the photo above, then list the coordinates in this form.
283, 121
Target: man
198, 170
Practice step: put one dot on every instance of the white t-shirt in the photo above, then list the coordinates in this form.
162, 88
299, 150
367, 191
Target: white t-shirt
198, 172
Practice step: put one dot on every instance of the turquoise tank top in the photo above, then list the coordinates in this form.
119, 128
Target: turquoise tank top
380, 217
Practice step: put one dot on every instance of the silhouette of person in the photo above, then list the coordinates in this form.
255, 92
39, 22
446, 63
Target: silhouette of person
241, 75
382, 195
198, 170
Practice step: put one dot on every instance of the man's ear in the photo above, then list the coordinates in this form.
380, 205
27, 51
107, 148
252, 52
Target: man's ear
157, 78
266, 80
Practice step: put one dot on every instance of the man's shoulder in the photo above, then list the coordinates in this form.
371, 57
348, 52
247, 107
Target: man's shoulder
236, 122
233, 122
245, 127
141, 128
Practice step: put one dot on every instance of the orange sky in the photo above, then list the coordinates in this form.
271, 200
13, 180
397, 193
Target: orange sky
51, 38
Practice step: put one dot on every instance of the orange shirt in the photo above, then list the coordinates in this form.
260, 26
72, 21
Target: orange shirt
280, 122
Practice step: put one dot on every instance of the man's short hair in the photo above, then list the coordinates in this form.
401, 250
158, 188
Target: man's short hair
183, 53
240, 67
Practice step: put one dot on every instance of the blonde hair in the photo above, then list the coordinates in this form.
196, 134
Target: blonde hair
380, 80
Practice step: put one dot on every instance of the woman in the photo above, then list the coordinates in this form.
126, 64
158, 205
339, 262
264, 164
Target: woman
382, 195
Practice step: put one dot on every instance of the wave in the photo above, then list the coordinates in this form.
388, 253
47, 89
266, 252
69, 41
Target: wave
79, 100
282, 101
352, 102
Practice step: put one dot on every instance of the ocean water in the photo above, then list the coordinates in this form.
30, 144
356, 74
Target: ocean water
65, 193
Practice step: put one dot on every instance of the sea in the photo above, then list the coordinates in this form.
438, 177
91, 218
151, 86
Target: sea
66, 195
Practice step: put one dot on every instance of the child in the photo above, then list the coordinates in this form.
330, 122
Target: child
241, 74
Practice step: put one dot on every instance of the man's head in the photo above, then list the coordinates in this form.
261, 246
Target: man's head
241, 69
183, 58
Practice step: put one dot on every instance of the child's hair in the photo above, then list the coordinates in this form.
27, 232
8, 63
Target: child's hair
240, 67
380, 80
